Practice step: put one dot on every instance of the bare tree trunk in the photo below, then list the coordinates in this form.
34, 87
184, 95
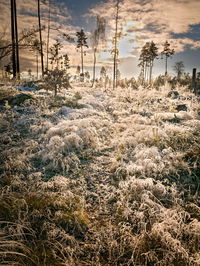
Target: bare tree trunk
166, 65
82, 73
115, 45
13, 39
16, 40
116, 76
194, 83
150, 71
94, 67
40, 33
145, 72
37, 64
48, 34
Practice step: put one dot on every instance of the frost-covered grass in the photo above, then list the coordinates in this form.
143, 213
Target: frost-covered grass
95, 177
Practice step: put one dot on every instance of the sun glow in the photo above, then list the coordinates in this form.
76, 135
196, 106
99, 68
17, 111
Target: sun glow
125, 44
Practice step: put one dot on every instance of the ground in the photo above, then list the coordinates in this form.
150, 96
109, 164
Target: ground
99, 177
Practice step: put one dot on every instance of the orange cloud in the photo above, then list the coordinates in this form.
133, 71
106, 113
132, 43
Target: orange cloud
140, 21
154, 19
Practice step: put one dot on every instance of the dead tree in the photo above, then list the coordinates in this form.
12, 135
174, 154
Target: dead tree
194, 83
115, 51
14, 37
40, 35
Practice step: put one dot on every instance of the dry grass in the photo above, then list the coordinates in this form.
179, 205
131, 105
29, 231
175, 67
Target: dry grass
115, 182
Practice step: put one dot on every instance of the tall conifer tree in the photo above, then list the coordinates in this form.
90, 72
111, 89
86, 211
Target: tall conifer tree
81, 43
167, 53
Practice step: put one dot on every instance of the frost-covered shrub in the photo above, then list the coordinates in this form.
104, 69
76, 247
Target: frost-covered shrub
114, 182
135, 196
66, 140
148, 162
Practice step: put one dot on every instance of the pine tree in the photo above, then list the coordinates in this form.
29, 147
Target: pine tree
87, 75
167, 53
153, 53
103, 74
78, 70
77, 76
30, 73
81, 43
66, 61
55, 56
148, 54
144, 61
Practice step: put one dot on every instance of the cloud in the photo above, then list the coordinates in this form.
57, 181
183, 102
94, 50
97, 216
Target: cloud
154, 20
140, 21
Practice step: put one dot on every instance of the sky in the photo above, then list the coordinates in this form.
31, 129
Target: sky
176, 21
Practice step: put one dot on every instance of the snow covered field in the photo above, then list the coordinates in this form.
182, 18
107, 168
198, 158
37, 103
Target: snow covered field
100, 177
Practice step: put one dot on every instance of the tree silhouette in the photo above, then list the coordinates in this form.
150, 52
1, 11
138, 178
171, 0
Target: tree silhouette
65, 62
118, 76
14, 36
167, 53
81, 43
87, 75
48, 33
148, 54
78, 70
55, 56
115, 50
40, 36
179, 69
98, 34
35, 47
153, 53
103, 74
143, 62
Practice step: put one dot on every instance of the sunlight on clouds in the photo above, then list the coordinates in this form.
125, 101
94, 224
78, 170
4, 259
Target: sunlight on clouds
153, 19
140, 21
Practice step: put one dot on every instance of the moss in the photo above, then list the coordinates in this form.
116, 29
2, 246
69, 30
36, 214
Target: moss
73, 104
59, 101
34, 206
77, 96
